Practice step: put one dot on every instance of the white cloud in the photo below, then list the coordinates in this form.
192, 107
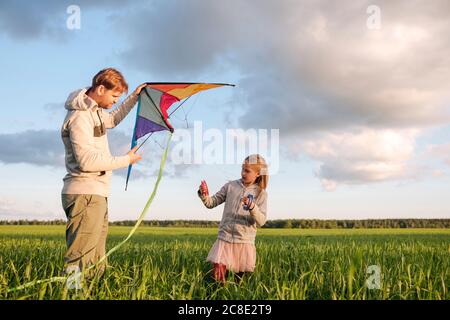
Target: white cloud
313, 69
14, 209
438, 173
305, 65
440, 151
31, 20
309, 68
6, 204
39, 147
363, 156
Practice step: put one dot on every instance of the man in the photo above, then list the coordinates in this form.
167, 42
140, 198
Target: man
89, 164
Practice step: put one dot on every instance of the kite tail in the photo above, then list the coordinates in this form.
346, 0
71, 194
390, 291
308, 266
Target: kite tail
35, 282
138, 222
149, 202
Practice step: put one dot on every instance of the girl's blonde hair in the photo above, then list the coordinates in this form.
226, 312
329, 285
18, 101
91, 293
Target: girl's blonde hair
257, 163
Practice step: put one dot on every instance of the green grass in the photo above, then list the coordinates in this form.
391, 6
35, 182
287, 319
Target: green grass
169, 263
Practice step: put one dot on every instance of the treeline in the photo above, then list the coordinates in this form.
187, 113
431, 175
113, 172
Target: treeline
358, 224
286, 223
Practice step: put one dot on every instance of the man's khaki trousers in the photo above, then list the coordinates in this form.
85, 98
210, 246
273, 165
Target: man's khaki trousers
86, 231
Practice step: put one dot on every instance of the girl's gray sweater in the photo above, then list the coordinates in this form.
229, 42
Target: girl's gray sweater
238, 225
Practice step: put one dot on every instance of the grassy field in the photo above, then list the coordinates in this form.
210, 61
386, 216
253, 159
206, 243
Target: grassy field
169, 263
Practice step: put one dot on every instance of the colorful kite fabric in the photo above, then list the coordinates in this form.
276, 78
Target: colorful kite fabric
156, 98
154, 102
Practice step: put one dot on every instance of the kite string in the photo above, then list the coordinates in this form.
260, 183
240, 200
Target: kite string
138, 222
185, 119
144, 141
179, 106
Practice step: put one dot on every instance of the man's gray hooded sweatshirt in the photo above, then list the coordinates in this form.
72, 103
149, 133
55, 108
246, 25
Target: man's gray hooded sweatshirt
89, 162
238, 225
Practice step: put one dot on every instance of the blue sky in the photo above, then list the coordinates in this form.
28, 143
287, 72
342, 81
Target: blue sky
363, 114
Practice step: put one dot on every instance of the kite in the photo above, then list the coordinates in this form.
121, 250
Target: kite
154, 103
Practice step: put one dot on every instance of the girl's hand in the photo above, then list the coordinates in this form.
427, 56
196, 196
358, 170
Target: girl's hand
203, 189
248, 203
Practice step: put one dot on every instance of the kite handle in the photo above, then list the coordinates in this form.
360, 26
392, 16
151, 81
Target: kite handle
250, 198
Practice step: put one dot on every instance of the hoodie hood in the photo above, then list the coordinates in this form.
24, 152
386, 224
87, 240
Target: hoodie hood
78, 100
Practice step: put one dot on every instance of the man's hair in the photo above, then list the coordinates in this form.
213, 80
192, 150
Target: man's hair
111, 79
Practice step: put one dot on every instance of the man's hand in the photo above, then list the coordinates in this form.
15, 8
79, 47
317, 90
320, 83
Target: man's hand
134, 157
139, 88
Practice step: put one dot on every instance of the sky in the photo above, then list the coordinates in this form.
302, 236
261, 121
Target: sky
349, 102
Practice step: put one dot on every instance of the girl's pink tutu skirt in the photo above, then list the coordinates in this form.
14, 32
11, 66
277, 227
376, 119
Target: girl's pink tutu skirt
238, 257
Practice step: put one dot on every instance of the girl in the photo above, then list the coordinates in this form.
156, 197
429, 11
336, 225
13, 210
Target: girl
245, 209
